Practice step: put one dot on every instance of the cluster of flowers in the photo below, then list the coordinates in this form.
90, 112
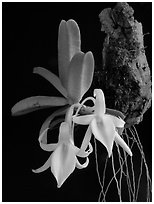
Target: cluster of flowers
75, 77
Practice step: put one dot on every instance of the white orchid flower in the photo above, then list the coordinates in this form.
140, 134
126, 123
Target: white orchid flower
103, 126
75, 73
64, 158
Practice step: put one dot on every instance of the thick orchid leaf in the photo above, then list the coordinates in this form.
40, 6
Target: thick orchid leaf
36, 102
52, 78
47, 122
81, 166
122, 143
81, 69
68, 45
44, 167
63, 162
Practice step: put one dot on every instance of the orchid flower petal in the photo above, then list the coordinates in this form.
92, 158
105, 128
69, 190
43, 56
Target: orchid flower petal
68, 45
85, 143
100, 107
48, 147
63, 162
122, 143
52, 78
115, 113
43, 137
104, 132
83, 120
45, 126
64, 132
81, 166
36, 102
118, 122
44, 167
81, 69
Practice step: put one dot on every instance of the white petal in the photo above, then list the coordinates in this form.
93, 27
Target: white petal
64, 132
48, 147
122, 143
104, 131
44, 167
46, 124
83, 120
86, 141
63, 162
115, 113
100, 107
81, 166
118, 122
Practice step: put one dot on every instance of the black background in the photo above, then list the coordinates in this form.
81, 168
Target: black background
30, 32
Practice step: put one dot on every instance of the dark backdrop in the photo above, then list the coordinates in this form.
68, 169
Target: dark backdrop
30, 32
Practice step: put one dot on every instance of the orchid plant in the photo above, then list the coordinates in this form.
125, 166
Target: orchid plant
75, 77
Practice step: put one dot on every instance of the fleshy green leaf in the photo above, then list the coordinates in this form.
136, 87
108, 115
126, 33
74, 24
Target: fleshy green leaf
68, 45
52, 78
81, 70
36, 102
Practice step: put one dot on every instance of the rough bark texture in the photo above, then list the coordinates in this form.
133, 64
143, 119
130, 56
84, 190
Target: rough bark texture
125, 74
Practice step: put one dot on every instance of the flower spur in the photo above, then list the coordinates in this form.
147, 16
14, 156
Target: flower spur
103, 126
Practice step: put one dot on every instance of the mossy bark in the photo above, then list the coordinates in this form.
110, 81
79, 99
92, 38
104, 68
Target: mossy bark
125, 75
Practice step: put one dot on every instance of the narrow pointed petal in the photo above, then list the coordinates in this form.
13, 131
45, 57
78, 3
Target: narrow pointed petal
81, 69
44, 167
68, 45
118, 122
122, 143
115, 113
46, 124
63, 162
104, 131
35, 103
100, 107
85, 143
43, 137
83, 120
52, 78
48, 147
81, 166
